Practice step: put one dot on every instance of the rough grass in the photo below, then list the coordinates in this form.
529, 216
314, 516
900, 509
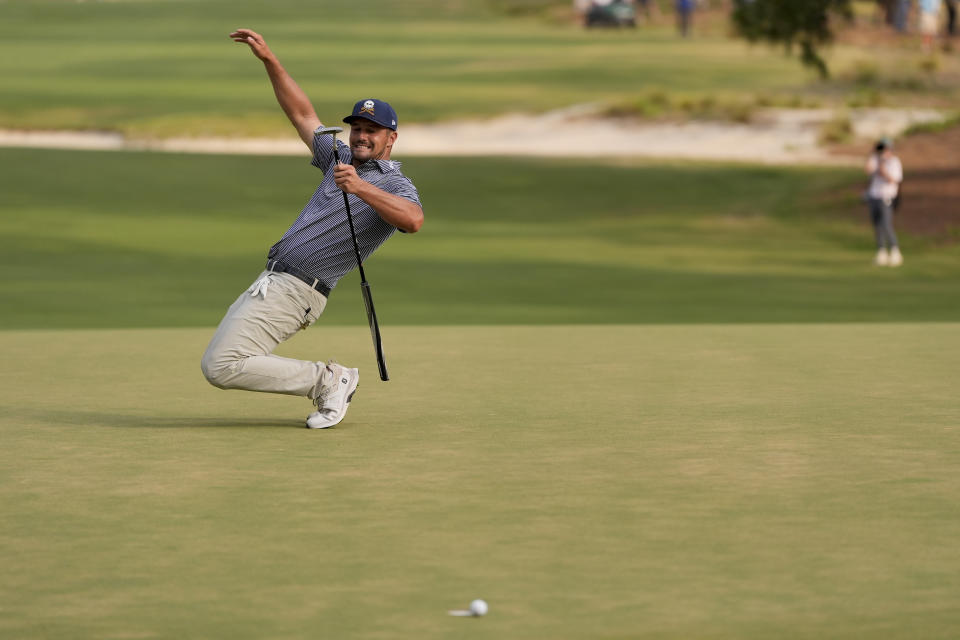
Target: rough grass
589, 482
151, 240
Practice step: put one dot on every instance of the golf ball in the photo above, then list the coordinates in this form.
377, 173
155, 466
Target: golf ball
478, 607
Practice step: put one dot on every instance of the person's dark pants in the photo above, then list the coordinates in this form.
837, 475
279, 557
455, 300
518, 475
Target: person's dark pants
901, 15
951, 17
881, 214
684, 18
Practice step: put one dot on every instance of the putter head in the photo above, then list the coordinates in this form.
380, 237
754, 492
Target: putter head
331, 131
328, 130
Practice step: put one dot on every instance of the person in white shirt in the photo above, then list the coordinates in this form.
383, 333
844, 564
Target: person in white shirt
886, 174
929, 23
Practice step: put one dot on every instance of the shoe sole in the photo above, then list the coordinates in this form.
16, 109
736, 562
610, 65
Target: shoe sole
352, 393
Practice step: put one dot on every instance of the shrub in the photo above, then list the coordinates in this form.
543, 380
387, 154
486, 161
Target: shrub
837, 130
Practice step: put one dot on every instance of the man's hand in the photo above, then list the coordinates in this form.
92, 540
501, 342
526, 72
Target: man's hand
394, 210
345, 175
254, 40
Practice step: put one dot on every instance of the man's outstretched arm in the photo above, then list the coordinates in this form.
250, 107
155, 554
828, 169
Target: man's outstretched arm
291, 97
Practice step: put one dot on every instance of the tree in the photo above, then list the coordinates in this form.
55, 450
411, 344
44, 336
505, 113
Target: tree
889, 8
803, 23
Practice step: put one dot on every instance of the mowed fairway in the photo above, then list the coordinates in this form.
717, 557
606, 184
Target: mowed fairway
628, 401
589, 482
106, 239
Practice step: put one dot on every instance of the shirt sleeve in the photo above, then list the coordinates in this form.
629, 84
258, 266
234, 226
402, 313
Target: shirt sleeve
323, 151
895, 169
400, 185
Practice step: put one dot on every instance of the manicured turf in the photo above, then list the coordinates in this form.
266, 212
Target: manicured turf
789, 481
589, 479
629, 400
153, 240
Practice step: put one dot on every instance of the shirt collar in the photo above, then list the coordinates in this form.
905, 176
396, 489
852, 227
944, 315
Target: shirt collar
385, 166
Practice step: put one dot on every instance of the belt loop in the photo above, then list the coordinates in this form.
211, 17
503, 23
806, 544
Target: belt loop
314, 285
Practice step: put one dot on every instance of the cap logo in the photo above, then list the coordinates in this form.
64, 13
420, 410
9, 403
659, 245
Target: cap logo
367, 107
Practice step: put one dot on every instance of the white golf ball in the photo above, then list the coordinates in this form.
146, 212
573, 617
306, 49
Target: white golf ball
478, 607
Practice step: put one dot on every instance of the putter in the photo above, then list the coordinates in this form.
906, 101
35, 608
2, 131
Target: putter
364, 285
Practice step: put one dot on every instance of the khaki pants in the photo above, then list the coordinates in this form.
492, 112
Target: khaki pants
272, 310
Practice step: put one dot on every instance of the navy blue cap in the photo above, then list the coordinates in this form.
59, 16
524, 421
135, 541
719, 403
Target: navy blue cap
376, 111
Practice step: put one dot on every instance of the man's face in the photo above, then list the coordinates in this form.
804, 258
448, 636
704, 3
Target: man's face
370, 141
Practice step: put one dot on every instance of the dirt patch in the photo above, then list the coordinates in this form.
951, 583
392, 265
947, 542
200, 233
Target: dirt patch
931, 186
930, 205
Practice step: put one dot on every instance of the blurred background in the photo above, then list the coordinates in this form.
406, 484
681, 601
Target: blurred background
730, 135
647, 379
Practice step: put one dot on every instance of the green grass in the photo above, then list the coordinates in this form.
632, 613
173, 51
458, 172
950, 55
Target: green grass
629, 400
152, 240
794, 481
166, 67
934, 127
96, 65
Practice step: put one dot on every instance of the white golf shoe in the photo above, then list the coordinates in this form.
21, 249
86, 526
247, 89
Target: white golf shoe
896, 258
333, 396
882, 259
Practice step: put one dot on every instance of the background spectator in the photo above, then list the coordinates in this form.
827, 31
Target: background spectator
886, 174
929, 22
684, 10
901, 15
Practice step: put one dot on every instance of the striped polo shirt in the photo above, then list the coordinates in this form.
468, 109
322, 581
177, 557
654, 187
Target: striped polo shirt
318, 243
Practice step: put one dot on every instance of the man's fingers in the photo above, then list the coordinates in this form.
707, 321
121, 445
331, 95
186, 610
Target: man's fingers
247, 36
344, 176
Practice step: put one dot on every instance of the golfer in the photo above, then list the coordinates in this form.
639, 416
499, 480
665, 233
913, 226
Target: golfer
304, 266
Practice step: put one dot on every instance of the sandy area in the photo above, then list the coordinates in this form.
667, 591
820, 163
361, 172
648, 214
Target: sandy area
775, 137
930, 204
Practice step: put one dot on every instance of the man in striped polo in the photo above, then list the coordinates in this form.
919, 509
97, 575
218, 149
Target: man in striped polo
315, 252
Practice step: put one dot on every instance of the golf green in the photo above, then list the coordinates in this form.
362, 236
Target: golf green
722, 481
